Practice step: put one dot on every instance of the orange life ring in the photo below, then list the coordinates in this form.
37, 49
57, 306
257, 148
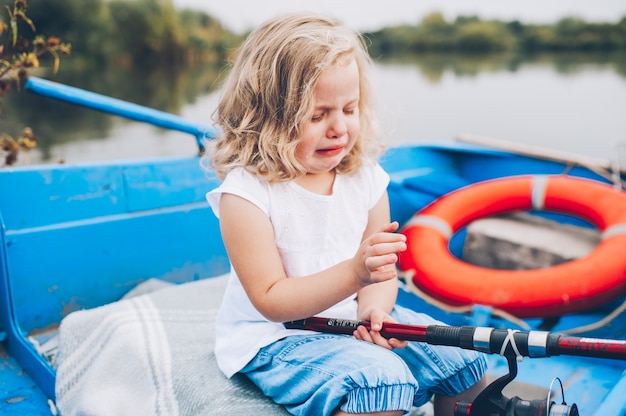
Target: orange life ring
580, 284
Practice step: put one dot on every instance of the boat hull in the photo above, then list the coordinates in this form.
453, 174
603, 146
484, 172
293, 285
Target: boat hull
78, 237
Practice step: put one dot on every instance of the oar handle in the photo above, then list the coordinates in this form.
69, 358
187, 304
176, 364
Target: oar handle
532, 344
120, 108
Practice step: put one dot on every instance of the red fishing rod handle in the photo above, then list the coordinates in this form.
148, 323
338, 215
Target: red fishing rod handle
348, 326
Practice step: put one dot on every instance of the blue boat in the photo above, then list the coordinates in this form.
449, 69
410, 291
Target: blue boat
81, 240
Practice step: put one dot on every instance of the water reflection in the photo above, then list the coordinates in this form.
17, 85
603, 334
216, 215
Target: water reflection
62, 126
57, 123
433, 66
570, 104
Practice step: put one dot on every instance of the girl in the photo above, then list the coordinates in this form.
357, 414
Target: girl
304, 216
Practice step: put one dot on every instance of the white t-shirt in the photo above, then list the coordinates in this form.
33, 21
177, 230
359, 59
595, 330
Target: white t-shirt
313, 232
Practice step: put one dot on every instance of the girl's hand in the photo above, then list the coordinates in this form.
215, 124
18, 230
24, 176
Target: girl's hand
376, 258
377, 317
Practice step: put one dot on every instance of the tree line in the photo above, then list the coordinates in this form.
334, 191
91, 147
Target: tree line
144, 33
132, 32
473, 35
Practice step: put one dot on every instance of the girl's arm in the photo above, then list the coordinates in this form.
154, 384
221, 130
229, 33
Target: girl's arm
376, 301
249, 239
382, 295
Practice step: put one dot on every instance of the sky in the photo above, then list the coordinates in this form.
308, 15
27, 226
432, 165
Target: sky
369, 15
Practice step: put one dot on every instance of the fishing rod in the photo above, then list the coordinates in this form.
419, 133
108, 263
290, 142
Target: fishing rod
532, 344
512, 344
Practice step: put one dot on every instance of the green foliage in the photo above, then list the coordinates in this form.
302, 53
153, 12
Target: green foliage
473, 35
18, 55
146, 33
484, 37
135, 33
85, 23
206, 38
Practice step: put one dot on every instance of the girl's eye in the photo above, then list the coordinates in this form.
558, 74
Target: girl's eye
349, 111
317, 117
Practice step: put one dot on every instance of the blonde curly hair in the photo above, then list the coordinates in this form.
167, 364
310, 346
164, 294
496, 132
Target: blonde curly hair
269, 95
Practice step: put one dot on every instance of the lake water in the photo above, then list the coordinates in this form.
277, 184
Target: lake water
576, 107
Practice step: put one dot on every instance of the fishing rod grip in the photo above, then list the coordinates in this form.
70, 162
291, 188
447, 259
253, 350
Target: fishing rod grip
495, 341
533, 344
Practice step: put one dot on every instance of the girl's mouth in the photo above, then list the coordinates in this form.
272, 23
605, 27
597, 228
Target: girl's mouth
331, 151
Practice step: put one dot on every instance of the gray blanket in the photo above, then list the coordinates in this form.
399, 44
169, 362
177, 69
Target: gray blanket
151, 354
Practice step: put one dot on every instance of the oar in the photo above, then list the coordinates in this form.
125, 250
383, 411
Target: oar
535, 151
532, 344
120, 108
609, 171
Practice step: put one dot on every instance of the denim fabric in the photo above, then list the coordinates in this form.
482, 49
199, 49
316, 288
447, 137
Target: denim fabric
319, 373
443, 370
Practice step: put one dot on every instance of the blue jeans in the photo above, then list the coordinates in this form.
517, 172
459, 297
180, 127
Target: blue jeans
319, 373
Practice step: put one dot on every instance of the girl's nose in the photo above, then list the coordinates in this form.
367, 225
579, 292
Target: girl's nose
337, 127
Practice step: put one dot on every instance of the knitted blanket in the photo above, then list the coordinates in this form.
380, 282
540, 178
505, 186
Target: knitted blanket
151, 354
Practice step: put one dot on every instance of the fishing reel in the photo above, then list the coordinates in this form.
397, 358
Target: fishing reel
491, 401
